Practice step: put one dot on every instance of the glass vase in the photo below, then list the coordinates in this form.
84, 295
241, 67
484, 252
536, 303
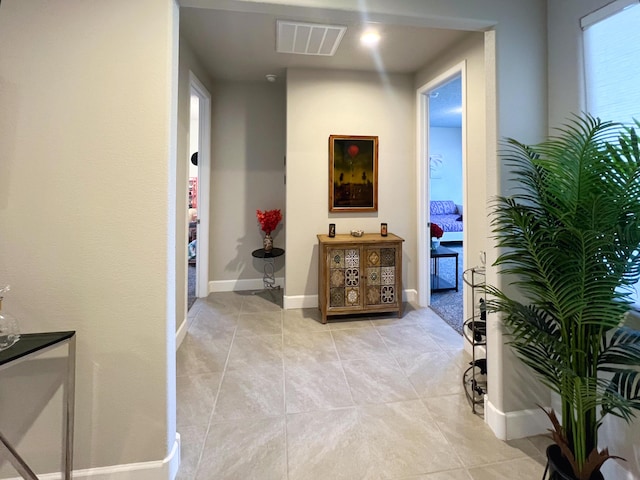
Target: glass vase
9, 331
267, 243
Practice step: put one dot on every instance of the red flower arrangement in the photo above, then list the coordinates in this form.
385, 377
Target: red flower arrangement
269, 220
436, 231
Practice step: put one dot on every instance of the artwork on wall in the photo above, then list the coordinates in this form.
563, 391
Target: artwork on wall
435, 165
353, 173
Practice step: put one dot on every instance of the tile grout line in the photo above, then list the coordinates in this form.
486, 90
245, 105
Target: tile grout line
398, 364
462, 464
284, 398
503, 462
344, 373
215, 400
418, 396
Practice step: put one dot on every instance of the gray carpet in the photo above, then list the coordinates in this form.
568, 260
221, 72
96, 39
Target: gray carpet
191, 290
449, 304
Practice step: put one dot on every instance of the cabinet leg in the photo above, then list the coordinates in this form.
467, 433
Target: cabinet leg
323, 314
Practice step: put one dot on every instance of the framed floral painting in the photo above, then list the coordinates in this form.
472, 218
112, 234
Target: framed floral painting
353, 173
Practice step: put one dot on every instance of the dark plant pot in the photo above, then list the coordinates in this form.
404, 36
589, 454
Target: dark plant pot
560, 468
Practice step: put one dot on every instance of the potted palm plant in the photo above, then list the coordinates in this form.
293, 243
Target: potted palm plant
569, 239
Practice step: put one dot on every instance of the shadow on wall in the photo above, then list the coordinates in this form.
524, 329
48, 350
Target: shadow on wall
240, 263
28, 390
311, 287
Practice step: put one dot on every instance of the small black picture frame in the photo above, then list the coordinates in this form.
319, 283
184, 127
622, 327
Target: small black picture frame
332, 230
383, 229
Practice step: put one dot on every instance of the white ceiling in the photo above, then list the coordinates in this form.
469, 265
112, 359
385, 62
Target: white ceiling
241, 46
445, 105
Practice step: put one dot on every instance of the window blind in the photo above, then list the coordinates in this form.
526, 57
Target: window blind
612, 66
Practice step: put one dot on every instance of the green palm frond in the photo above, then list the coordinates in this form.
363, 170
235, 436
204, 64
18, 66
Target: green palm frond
623, 348
622, 395
569, 237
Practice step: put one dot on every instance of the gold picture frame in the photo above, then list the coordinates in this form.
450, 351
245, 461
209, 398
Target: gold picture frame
353, 173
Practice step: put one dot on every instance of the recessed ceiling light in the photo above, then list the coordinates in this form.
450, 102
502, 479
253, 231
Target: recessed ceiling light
370, 38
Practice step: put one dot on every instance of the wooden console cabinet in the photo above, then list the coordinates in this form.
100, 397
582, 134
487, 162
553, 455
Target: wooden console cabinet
359, 274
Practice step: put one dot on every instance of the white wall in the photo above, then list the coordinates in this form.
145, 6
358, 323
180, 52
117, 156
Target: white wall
566, 77
194, 142
445, 182
85, 136
193, 133
247, 174
322, 103
566, 96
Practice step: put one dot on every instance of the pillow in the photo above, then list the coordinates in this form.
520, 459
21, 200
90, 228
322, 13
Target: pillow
442, 207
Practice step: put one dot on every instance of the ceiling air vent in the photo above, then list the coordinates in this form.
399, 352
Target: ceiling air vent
308, 38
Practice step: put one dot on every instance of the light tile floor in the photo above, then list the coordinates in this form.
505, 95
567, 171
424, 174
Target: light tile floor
266, 393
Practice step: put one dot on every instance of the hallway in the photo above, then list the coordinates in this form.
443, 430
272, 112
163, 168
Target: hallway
266, 393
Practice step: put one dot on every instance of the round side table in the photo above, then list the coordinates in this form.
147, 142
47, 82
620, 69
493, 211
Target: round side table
269, 265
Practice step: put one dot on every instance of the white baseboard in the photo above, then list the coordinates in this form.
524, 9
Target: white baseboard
512, 425
410, 295
290, 302
181, 333
241, 285
166, 469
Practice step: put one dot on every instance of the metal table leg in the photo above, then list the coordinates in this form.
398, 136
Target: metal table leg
456, 259
68, 413
16, 460
32, 345
269, 278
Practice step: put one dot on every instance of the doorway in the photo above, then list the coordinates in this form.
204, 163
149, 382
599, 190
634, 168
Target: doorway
441, 170
199, 180
446, 201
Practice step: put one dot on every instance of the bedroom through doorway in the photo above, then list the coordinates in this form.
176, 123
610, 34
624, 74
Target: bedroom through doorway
446, 200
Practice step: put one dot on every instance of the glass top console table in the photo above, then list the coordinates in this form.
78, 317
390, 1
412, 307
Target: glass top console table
437, 283
29, 346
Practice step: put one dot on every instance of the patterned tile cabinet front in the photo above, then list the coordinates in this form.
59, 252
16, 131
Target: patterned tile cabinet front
359, 274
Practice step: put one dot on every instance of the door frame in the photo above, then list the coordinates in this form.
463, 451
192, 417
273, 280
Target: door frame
422, 173
204, 180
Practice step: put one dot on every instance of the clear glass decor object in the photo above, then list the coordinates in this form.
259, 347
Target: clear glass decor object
267, 243
9, 331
